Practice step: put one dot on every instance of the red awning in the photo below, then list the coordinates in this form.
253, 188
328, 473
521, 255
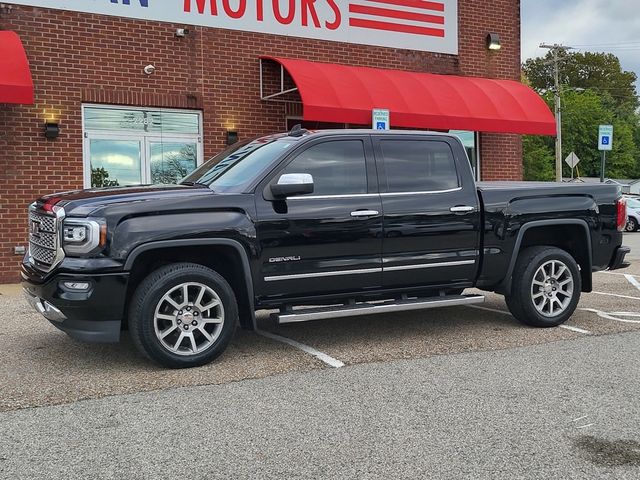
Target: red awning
16, 85
346, 94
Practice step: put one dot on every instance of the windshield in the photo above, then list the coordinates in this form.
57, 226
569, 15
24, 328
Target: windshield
633, 202
236, 166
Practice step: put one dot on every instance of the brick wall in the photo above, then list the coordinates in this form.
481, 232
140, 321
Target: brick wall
78, 58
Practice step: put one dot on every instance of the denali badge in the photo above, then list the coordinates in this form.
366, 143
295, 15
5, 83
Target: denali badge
292, 258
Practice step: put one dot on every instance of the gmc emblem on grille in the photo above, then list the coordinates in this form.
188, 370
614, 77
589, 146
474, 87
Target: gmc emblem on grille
35, 228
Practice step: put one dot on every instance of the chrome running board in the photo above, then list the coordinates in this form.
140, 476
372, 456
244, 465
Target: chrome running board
306, 314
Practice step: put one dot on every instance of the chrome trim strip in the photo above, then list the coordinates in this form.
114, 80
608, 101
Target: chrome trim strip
426, 192
322, 274
352, 311
324, 197
429, 265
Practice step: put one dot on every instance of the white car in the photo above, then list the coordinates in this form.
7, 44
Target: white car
633, 214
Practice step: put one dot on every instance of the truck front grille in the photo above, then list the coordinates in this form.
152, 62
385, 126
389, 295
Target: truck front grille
43, 239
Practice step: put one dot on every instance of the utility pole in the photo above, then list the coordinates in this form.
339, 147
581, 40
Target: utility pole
557, 51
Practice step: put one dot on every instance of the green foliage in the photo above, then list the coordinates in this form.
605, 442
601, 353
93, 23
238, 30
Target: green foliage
100, 178
600, 72
539, 159
609, 97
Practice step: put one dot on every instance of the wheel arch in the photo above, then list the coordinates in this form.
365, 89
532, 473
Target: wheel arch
226, 256
555, 233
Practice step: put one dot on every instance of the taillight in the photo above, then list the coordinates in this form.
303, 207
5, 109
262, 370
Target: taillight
621, 214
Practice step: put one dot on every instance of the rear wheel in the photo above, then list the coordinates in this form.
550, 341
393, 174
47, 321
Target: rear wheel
546, 287
183, 315
632, 225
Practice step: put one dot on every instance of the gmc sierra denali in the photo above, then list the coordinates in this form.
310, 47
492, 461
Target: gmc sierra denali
312, 224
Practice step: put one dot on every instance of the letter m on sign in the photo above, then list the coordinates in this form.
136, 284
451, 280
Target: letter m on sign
143, 3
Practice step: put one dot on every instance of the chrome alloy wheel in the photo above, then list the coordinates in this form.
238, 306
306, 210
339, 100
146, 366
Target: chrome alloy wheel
189, 318
552, 288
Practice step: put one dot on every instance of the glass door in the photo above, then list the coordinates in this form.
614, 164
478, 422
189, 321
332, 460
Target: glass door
170, 160
113, 162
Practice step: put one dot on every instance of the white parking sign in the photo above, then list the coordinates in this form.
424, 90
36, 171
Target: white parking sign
605, 138
380, 119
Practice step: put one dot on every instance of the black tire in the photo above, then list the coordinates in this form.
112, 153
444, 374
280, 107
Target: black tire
521, 301
632, 225
149, 297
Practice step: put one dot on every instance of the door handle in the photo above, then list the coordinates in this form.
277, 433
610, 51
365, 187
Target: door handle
462, 209
364, 213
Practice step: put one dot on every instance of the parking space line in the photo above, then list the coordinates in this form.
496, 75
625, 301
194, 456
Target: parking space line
566, 327
610, 316
631, 279
616, 273
575, 329
616, 295
487, 309
323, 357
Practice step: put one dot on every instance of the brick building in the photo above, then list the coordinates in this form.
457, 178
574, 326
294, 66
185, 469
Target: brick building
139, 93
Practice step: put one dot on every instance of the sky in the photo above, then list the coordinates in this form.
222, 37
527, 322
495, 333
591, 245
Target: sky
611, 26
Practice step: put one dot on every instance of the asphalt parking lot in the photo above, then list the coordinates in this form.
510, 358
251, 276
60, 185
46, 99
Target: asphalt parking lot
41, 367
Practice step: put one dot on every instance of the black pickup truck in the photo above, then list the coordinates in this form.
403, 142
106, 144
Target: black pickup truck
315, 224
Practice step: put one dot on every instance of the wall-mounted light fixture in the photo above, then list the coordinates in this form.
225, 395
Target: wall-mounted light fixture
493, 41
51, 130
232, 137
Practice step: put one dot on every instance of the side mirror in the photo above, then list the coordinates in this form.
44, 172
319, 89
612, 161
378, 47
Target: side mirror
292, 184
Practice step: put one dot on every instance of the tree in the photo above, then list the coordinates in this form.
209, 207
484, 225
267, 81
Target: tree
600, 72
539, 159
100, 178
608, 96
174, 166
582, 113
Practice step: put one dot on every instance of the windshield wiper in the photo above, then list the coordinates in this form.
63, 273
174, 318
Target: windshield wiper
194, 184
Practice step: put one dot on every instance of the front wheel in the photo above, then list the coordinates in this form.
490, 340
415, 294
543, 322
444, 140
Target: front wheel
632, 225
183, 315
546, 287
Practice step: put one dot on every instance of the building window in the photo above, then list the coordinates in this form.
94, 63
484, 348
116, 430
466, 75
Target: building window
471, 145
131, 146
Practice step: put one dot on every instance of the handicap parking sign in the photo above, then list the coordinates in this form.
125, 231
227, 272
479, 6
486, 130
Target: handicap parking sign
605, 137
380, 119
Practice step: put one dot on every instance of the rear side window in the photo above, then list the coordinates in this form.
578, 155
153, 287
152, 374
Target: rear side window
338, 167
419, 166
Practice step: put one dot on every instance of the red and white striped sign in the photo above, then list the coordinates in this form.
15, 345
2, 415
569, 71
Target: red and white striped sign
426, 25
414, 17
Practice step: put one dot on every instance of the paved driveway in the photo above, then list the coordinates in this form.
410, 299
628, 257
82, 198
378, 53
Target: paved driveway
460, 393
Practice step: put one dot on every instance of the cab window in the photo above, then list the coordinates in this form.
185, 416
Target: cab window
338, 167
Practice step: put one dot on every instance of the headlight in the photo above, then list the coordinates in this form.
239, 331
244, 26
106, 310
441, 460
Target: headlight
83, 237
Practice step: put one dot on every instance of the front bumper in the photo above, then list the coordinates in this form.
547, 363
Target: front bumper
618, 258
93, 314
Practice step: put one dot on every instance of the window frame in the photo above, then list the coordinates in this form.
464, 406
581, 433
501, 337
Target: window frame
144, 138
382, 163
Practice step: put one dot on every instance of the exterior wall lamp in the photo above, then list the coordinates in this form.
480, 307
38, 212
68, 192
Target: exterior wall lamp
51, 130
493, 41
232, 137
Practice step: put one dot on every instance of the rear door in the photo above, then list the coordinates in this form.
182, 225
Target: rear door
431, 213
329, 241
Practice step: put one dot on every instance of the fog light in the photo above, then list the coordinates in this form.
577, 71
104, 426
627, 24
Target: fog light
77, 285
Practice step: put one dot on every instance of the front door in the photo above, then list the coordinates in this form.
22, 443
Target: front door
431, 212
328, 241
